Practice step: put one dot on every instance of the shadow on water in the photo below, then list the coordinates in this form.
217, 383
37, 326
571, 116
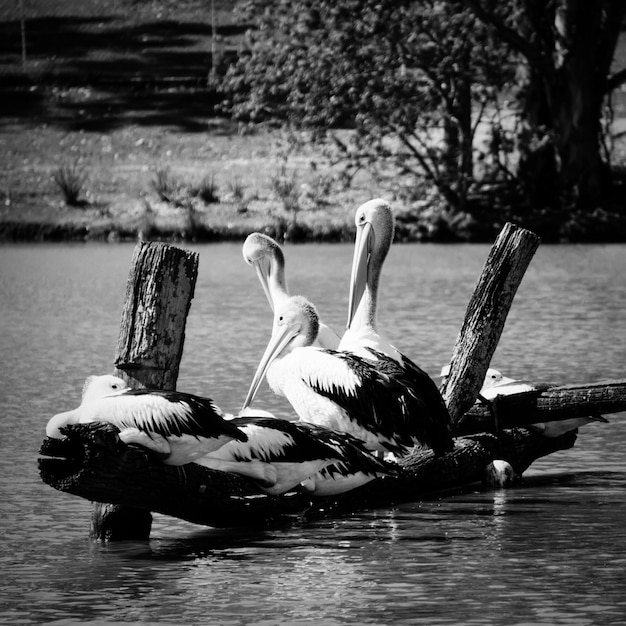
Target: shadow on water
101, 72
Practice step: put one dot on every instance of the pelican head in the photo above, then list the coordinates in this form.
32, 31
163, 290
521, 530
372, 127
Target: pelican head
296, 325
374, 234
268, 260
493, 378
95, 387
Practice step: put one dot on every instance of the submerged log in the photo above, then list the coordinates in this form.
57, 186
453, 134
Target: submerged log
95, 463
159, 291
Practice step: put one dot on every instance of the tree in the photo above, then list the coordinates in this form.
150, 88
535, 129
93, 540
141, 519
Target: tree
567, 49
412, 79
415, 78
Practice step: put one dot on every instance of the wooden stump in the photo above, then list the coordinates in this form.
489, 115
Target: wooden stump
485, 317
159, 291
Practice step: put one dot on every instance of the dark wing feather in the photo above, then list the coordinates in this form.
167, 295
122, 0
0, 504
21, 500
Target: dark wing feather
381, 409
202, 417
370, 408
305, 446
429, 418
355, 456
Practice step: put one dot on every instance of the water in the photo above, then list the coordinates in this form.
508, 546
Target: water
552, 551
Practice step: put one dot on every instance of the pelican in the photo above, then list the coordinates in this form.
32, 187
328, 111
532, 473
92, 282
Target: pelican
496, 384
374, 236
268, 260
178, 427
279, 455
344, 391
493, 378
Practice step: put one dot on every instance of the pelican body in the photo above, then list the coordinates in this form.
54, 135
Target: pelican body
268, 260
279, 455
496, 384
374, 235
178, 427
341, 390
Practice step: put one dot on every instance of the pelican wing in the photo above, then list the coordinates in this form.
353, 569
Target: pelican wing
428, 417
400, 403
354, 455
271, 439
369, 397
165, 413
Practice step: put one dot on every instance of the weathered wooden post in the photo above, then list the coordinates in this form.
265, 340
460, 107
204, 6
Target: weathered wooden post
160, 287
485, 316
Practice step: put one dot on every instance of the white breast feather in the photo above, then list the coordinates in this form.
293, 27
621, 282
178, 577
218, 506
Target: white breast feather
294, 375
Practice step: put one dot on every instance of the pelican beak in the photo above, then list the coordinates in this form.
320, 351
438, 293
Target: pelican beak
363, 246
262, 267
281, 336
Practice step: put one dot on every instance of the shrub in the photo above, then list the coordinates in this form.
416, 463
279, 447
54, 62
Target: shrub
164, 184
206, 190
284, 184
70, 178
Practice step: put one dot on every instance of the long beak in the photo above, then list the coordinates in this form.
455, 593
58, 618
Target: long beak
281, 336
262, 271
358, 279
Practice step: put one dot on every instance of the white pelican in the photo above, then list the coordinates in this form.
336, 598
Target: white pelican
344, 391
267, 258
495, 385
493, 378
279, 455
374, 236
179, 427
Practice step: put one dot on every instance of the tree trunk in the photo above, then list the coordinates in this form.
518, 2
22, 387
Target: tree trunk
485, 317
160, 287
562, 99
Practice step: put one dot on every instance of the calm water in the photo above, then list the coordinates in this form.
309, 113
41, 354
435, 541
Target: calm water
552, 551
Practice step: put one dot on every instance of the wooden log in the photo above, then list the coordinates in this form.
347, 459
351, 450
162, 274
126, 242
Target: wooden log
485, 317
159, 291
93, 462
553, 404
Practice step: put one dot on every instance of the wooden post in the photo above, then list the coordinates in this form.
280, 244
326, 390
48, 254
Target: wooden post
160, 287
485, 317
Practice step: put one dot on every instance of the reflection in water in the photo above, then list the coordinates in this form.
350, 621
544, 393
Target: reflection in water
552, 551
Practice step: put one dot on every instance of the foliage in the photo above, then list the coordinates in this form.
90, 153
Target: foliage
70, 178
566, 52
164, 184
206, 190
173, 190
411, 78
284, 184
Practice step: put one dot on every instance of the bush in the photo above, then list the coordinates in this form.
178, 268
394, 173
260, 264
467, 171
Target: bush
70, 178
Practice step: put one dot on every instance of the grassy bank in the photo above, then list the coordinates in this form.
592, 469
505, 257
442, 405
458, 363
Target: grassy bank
113, 100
